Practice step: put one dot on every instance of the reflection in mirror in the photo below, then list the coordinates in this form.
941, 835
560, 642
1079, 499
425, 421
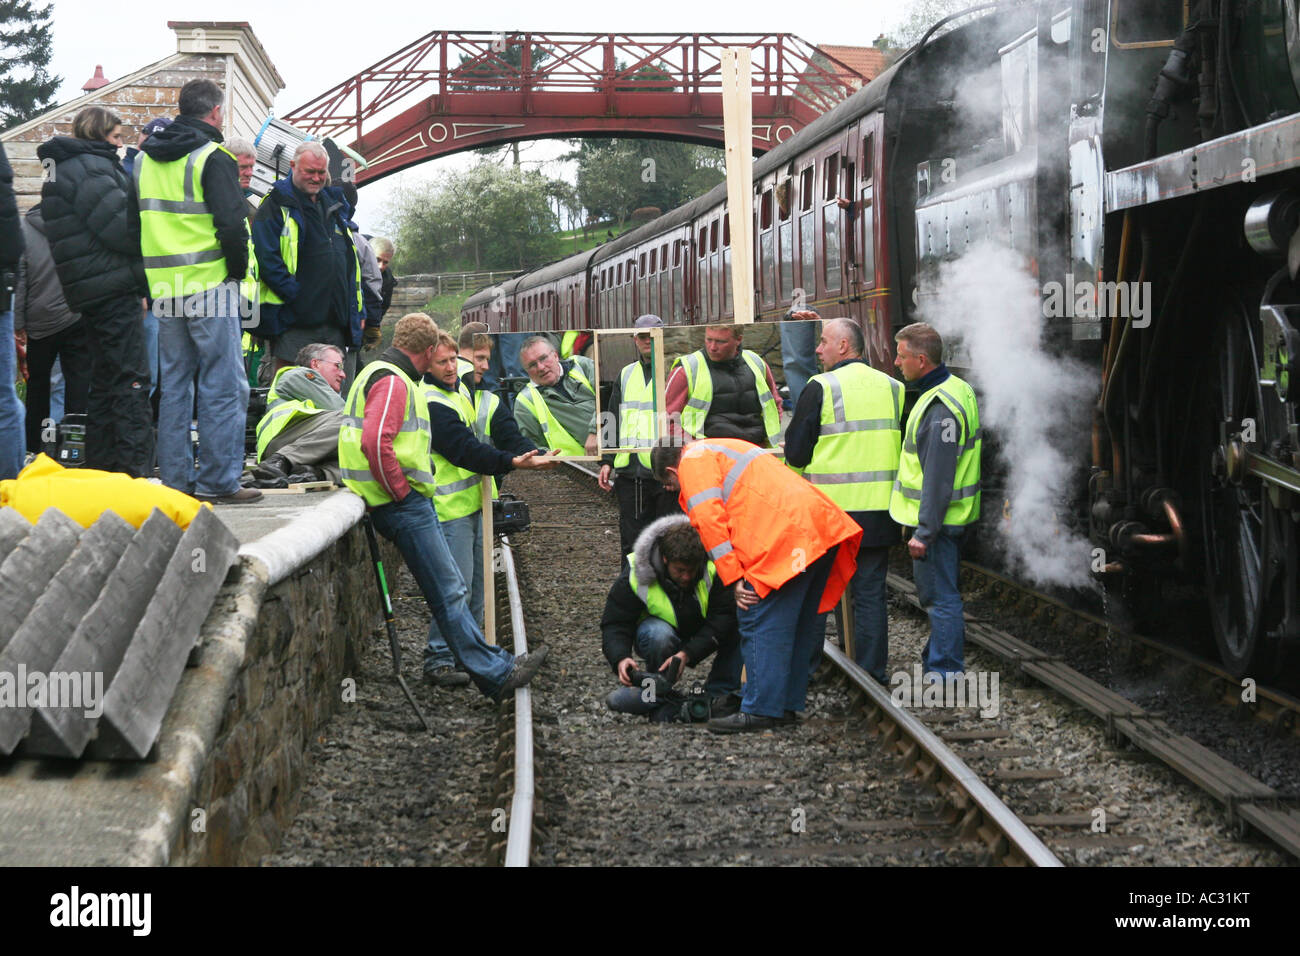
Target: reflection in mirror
549, 419
630, 365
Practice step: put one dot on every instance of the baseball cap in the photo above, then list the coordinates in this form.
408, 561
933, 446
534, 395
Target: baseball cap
648, 322
155, 125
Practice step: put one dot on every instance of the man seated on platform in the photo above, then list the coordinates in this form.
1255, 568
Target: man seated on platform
298, 437
557, 408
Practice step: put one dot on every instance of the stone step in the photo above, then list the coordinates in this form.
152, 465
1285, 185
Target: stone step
27, 570
142, 689
41, 638
101, 639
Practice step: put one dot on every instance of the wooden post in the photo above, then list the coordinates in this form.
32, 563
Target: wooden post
738, 123
489, 565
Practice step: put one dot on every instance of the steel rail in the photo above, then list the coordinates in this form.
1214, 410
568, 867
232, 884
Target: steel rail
1018, 835
519, 837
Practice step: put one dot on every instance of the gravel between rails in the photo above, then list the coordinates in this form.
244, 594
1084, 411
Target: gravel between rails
379, 790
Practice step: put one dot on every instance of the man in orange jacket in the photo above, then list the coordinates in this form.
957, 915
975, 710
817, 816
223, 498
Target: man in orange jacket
777, 539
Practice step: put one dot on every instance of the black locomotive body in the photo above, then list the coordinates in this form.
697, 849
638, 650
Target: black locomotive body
1150, 146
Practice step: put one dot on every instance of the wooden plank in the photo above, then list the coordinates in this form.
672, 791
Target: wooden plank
489, 565
30, 565
301, 488
101, 639
738, 130
141, 691
42, 637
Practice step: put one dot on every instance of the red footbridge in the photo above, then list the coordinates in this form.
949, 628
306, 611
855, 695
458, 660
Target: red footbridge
451, 91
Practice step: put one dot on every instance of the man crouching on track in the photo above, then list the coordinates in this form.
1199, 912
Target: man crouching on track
788, 550
384, 456
671, 607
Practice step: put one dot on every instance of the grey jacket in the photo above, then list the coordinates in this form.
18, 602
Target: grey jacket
39, 305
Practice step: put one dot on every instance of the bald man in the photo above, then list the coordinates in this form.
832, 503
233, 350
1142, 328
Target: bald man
845, 437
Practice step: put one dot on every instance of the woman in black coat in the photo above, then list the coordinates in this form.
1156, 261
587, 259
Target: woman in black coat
85, 198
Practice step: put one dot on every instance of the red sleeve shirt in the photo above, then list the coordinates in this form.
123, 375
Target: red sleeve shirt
385, 412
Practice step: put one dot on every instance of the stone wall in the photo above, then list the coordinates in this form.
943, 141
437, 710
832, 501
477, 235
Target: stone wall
302, 647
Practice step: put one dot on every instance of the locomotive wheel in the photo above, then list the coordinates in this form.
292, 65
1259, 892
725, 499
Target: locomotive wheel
1233, 505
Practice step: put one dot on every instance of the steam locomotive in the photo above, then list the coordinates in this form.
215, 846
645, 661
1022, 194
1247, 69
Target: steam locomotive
1150, 146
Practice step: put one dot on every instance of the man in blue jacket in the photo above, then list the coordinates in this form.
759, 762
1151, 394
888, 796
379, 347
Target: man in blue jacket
308, 271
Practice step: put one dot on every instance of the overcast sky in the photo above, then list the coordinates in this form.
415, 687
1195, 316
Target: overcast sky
313, 55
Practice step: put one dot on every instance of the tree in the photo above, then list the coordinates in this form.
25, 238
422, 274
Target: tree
616, 176
26, 89
920, 16
484, 217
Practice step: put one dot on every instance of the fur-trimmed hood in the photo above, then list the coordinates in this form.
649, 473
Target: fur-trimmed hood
648, 562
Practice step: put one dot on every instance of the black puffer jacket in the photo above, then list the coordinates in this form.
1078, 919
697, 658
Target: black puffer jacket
11, 234
85, 201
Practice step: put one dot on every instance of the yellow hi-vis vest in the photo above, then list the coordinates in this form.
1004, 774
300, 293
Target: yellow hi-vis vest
250, 289
485, 406
655, 598
964, 506
281, 413
178, 238
555, 434
699, 398
289, 253
855, 460
410, 444
455, 489
567, 342
636, 415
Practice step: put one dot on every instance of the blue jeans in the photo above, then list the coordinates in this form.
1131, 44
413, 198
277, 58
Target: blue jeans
778, 638
412, 525
871, 612
201, 334
936, 587
799, 354
12, 424
464, 537
58, 388
657, 640
151, 347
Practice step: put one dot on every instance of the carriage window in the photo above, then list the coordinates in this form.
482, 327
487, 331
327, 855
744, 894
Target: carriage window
713, 236
783, 200
805, 189
703, 246
765, 210
768, 267
726, 230
831, 246
786, 231
830, 177
642, 263
868, 157
654, 261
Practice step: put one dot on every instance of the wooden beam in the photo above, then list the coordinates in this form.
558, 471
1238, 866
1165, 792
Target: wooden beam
738, 123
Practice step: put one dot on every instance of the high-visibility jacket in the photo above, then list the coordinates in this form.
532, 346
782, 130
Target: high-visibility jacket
855, 460
964, 506
178, 239
281, 412
289, 251
410, 444
567, 341
656, 600
463, 366
759, 520
636, 415
250, 289
699, 388
455, 489
555, 434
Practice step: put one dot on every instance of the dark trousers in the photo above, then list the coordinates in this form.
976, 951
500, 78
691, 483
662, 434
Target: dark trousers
73, 348
640, 501
119, 418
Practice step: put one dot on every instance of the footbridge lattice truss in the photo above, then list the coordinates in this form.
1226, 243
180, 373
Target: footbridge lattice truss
450, 91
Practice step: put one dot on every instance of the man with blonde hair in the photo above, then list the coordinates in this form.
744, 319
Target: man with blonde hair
385, 458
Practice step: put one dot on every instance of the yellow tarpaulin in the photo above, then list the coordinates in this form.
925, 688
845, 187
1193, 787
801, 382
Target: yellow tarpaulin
84, 494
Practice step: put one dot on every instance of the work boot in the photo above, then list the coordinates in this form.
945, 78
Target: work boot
273, 466
241, 497
446, 676
526, 666
741, 722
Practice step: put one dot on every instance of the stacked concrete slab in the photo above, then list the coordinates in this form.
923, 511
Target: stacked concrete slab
121, 606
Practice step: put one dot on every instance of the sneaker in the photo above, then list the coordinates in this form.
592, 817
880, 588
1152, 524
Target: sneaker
526, 666
446, 676
241, 497
741, 722
273, 466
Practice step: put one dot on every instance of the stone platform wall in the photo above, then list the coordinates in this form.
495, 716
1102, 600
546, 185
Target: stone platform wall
302, 647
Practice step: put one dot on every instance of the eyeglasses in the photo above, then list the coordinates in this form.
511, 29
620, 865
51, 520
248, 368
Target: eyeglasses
337, 365
538, 363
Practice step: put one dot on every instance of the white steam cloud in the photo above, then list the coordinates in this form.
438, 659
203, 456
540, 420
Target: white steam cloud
1038, 404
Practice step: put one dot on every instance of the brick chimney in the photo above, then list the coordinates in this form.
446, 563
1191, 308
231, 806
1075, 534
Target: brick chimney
96, 81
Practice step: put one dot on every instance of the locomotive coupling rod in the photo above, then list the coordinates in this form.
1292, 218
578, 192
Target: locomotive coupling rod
386, 603
1274, 472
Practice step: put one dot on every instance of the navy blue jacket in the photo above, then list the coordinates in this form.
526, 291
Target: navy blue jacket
458, 444
282, 201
